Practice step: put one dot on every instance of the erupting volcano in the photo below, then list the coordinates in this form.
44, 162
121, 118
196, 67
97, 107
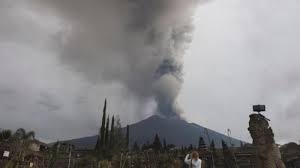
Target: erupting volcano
175, 131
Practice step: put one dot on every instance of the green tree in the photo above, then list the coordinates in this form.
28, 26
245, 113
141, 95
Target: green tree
21, 134
144, 147
157, 143
127, 136
102, 129
101, 134
119, 140
107, 133
165, 144
224, 145
19, 143
53, 155
213, 153
5, 135
135, 147
212, 145
229, 159
241, 144
112, 132
201, 144
213, 148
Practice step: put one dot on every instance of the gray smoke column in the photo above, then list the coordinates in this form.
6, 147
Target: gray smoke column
167, 86
138, 44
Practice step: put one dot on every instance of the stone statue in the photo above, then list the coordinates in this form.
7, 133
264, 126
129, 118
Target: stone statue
267, 154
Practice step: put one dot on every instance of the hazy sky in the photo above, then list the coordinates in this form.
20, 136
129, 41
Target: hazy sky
242, 53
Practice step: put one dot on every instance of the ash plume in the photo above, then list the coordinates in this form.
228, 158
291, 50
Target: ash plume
138, 44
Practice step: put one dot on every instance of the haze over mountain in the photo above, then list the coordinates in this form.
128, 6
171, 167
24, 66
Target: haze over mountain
176, 131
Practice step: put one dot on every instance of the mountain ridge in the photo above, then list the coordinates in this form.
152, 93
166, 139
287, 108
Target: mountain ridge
175, 131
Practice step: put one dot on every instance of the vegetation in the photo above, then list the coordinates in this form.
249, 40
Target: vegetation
110, 139
127, 136
17, 143
201, 144
229, 159
5, 135
113, 149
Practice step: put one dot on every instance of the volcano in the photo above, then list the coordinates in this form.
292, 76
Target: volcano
175, 131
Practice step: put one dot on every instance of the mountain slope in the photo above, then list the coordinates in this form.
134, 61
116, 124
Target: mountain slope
175, 131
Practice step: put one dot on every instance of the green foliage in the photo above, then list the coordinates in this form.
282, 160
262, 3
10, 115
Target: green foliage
153, 160
157, 146
229, 159
21, 134
83, 162
127, 136
241, 144
18, 144
119, 140
112, 133
213, 149
53, 155
144, 147
5, 135
135, 147
104, 164
11, 164
110, 141
201, 143
165, 147
212, 145
224, 145
106, 140
102, 130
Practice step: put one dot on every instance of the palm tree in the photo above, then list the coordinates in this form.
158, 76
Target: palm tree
5, 135
21, 134
20, 142
53, 154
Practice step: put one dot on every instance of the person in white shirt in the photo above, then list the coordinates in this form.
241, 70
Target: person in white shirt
193, 161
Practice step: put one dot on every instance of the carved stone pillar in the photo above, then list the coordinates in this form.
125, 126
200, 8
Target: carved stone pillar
267, 154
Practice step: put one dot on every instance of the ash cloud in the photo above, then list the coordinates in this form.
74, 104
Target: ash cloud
136, 43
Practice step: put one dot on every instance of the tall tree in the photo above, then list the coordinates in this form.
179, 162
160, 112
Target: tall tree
107, 133
100, 143
127, 136
112, 132
213, 153
136, 147
119, 139
20, 142
201, 144
21, 134
213, 148
5, 135
157, 143
224, 145
53, 154
165, 144
241, 144
229, 159
144, 147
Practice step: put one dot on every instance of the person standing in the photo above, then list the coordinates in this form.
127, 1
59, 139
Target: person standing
193, 160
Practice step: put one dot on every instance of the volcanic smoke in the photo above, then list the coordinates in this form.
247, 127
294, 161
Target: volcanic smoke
138, 44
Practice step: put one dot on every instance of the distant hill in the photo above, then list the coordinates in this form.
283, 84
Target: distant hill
175, 131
